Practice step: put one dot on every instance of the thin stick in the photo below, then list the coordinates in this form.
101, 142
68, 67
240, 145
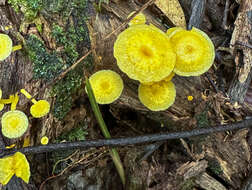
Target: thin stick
129, 140
62, 75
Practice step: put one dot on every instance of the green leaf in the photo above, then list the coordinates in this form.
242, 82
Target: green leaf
113, 152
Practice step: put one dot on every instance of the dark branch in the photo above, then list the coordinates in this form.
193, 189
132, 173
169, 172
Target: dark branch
129, 140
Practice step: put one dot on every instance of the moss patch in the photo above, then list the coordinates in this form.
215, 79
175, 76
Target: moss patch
71, 38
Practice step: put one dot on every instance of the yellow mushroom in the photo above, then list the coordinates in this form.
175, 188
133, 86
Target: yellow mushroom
5, 46
39, 108
144, 53
107, 86
158, 96
194, 49
44, 140
16, 164
14, 124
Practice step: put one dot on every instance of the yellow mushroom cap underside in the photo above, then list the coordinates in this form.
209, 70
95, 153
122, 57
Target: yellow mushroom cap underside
14, 124
158, 96
195, 51
40, 108
15, 164
5, 46
144, 53
107, 86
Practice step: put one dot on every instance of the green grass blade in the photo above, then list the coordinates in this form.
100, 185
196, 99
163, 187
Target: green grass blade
113, 152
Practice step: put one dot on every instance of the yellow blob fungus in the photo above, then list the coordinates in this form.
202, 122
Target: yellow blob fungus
40, 108
158, 96
14, 124
138, 19
5, 46
16, 164
11, 146
107, 86
195, 51
144, 53
44, 140
190, 98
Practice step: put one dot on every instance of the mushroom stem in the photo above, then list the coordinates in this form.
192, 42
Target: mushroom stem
28, 95
5, 101
17, 47
15, 99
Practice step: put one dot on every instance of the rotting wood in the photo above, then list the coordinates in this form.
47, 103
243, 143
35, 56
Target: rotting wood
197, 13
207, 182
243, 55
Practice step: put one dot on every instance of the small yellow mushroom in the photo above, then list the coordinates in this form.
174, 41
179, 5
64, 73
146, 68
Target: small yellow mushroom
5, 46
39, 108
14, 124
194, 49
144, 53
158, 96
107, 86
44, 140
190, 98
16, 164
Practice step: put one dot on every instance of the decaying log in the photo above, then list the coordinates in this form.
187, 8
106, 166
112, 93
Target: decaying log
243, 55
207, 182
102, 25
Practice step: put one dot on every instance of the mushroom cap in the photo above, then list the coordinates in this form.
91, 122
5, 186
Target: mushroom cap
194, 49
138, 19
107, 86
144, 53
44, 140
22, 167
14, 124
40, 108
14, 164
5, 46
158, 96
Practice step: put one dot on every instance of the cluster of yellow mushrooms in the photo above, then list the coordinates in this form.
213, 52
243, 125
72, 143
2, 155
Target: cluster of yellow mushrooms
152, 57
15, 122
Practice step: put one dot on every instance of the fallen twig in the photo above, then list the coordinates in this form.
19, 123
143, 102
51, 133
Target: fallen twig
128, 140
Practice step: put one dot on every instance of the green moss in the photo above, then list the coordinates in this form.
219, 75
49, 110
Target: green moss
73, 36
214, 167
46, 65
202, 119
29, 8
189, 184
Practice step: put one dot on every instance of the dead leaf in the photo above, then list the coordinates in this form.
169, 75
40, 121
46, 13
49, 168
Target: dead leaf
172, 9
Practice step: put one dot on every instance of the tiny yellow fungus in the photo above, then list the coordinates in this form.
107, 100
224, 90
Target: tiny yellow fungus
44, 140
5, 46
138, 19
14, 124
190, 98
16, 164
11, 146
26, 141
14, 101
144, 53
158, 96
40, 108
24, 92
194, 49
17, 47
107, 86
